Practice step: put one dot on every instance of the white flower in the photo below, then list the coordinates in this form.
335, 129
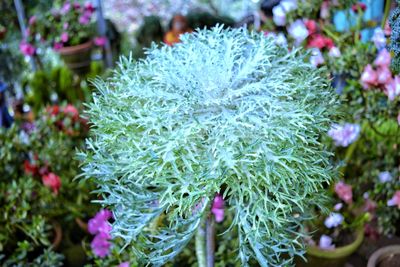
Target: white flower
379, 38
279, 15
298, 31
288, 5
334, 52
385, 177
325, 242
334, 219
316, 58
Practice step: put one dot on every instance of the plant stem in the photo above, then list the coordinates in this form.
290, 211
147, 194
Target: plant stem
200, 244
210, 239
386, 13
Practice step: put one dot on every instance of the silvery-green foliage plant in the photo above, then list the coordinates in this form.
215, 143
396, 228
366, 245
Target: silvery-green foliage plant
223, 109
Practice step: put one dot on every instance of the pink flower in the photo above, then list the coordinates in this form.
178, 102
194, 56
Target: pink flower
324, 11
27, 49
76, 5
325, 242
383, 58
369, 77
57, 46
395, 200
384, 75
65, 26
317, 41
124, 264
218, 208
64, 37
89, 7
32, 20
392, 89
84, 19
359, 6
66, 8
100, 41
52, 181
387, 30
311, 26
71, 110
344, 192
100, 246
370, 205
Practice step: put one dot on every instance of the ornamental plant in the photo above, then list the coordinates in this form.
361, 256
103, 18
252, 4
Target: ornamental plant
68, 23
225, 111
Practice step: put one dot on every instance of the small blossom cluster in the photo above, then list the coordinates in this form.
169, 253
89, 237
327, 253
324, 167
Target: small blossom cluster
344, 134
66, 118
380, 76
101, 229
49, 179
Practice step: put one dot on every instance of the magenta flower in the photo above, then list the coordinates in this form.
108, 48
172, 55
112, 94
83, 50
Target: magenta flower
100, 246
89, 7
325, 242
333, 220
99, 223
57, 46
345, 134
344, 192
383, 58
392, 89
218, 208
395, 200
84, 19
369, 77
66, 8
64, 37
52, 181
27, 49
124, 264
100, 41
65, 26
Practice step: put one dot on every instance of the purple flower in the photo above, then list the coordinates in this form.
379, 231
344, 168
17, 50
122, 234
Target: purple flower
100, 246
100, 41
89, 7
325, 242
57, 46
345, 134
298, 31
279, 15
32, 20
392, 89
218, 208
65, 26
99, 223
383, 58
64, 37
334, 52
124, 264
316, 58
385, 177
379, 38
84, 19
66, 8
27, 49
338, 206
395, 200
333, 220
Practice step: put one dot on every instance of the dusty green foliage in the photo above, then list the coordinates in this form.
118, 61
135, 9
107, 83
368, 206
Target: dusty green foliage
225, 110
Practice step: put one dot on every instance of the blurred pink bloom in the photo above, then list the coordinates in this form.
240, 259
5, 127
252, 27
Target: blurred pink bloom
344, 192
84, 19
77, 5
65, 26
52, 181
71, 110
89, 7
387, 29
218, 208
392, 89
57, 46
66, 8
370, 205
383, 58
124, 264
344, 134
316, 57
27, 49
32, 20
100, 41
64, 37
369, 77
395, 200
384, 75
325, 242
100, 227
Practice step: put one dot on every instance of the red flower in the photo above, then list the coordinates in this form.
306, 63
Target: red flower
52, 181
344, 191
53, 110
359, 6
329, 42
30, 169
316, 40
311, 26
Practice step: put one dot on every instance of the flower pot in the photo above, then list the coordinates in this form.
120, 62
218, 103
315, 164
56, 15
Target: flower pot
333, 257
57, 235
78, 57
388, 256
83, 225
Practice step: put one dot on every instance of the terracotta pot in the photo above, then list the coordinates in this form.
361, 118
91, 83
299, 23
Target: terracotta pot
388, 256
77, 57
333, 257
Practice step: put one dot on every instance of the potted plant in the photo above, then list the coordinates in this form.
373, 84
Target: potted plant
224, 119
68, 28
337, 235
388, 256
